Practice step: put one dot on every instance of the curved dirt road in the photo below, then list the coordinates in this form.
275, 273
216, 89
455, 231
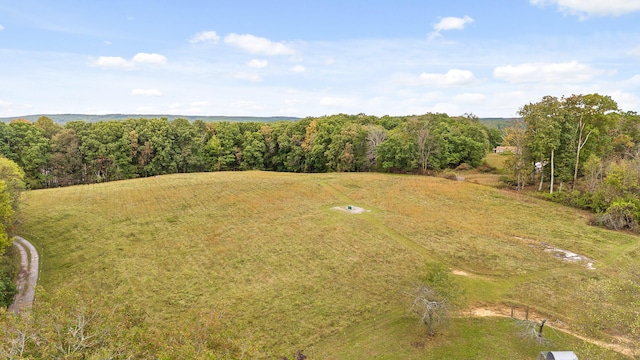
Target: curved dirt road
505, 311
27, 277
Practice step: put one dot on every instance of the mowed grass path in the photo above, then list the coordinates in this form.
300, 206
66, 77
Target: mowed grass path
265, 252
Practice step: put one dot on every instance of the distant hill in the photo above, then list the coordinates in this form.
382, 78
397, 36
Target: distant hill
496, 123
64, 118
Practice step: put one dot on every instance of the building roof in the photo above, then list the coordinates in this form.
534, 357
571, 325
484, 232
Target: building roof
557, 355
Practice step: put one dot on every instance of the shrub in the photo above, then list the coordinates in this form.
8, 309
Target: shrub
9, 267
464, 167
449, 175
622, 214
7, 292
486, 168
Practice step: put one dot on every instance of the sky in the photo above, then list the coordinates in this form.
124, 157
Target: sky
312, 58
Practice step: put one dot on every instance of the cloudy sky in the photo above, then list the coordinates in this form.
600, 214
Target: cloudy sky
311, 58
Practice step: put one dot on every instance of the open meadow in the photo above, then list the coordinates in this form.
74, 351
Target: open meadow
258, 263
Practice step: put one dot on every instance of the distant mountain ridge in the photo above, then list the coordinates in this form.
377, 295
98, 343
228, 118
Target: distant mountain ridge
64, 118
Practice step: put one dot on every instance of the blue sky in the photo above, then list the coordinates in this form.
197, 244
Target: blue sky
312, 58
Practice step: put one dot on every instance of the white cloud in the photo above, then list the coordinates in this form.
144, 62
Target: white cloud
248, 76
586, 8
452, 23
298, 69
635, 80
193, 108
145, 58
470, 98
546, 72
336, 101
117, 62
1, 27
113, 62
205, 37
625, 100
634, 52
199, 103
12, 109
258, 64
146, 92
258, 45
449, 23
452, 77
245, 106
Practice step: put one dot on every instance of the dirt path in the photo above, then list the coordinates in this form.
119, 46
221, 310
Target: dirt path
27, 277
505, 311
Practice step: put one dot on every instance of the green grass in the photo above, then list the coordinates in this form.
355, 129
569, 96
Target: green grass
497, 160
464, 338
284, 272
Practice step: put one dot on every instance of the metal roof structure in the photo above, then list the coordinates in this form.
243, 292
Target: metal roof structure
557, 355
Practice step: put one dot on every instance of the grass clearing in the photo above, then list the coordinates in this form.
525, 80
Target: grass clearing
288, 273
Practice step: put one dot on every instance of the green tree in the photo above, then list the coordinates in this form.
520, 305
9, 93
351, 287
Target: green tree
13, 176
224, 148
314, 145
30, 150
543, 129
346, 152
187, 145
434, 297
11, 186
397, 153
48, 127
590, 116
426, 138
516, 136
66, 160
289, 137
464, 140
107, 150
6, 216
253, 149
376, 135
156, 139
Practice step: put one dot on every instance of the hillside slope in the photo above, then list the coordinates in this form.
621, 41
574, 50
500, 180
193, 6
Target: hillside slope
265, 255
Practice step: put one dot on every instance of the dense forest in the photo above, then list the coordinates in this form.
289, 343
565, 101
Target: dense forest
585, 144
80, 152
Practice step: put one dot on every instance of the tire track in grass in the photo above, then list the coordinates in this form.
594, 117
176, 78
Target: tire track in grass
412, 245
611, 258
28, 276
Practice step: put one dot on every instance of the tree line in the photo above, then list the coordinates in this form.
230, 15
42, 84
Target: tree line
583, 143
11, 186
80, 152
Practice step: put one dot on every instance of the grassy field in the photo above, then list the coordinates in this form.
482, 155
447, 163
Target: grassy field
264, 254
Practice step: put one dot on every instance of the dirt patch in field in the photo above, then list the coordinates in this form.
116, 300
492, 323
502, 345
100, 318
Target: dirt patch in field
350, 209
561, 254
460, 273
